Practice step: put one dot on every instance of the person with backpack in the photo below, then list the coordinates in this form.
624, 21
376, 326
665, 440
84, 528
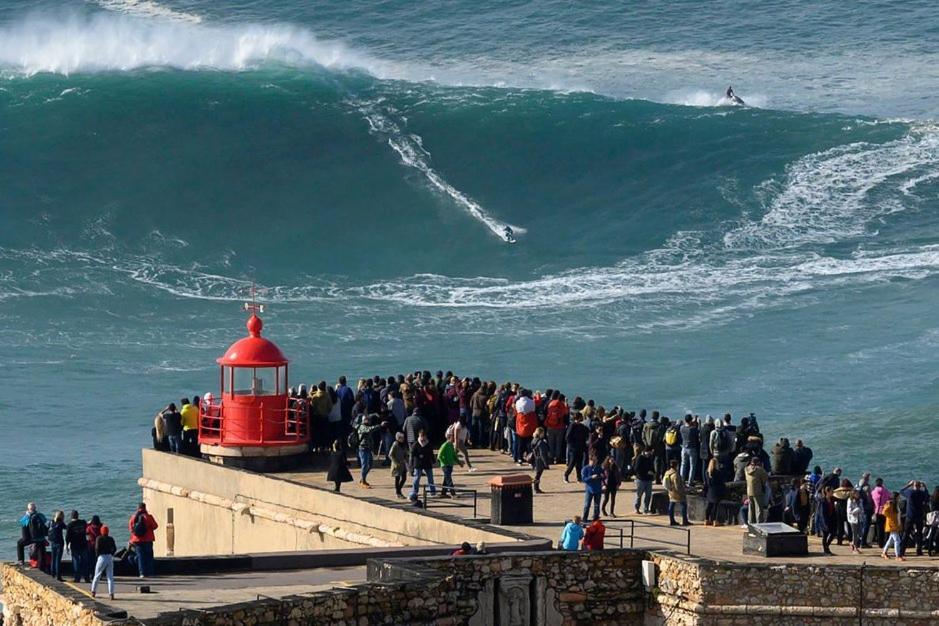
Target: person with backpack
104, 553
57, 529
652, 440
644, 470
757, 491
35, 529
141, 526
721, 443
173, 427
673, 442
76, 543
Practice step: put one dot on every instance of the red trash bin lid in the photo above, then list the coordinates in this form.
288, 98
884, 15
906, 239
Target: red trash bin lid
512, 480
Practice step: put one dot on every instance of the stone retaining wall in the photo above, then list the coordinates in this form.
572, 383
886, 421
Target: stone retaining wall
35, 599
695, 591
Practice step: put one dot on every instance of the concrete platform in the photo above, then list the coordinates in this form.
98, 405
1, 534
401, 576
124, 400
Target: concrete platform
562, 501
174, 593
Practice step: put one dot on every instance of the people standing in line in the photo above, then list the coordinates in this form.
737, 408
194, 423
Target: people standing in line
592, 476
675, 487
540, 456
716, 488
57, 530
612, 478
757, 491
576, 438
447, 457
34, 528
690, 449
104, 565
892, 527
572, 534
399, 463
338, 472
422, 463
76, 543
141, 526
917, 501
644, 471
594, 534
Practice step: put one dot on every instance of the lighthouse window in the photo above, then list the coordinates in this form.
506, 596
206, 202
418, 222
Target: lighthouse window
255, 381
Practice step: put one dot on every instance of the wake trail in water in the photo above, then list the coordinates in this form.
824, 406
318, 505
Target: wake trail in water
410, 149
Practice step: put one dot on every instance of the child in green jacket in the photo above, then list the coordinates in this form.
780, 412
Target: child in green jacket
447, 458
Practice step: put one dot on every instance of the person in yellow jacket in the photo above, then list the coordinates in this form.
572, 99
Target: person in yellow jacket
675, 487
892, 526
190, 414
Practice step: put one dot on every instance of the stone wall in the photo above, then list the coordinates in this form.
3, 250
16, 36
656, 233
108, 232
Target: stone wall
694, 591
36, 599
552, 587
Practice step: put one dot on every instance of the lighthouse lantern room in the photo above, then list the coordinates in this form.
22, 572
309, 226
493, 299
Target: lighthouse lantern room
254, 423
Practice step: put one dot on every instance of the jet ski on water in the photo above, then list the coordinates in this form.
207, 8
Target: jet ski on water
509, 235
734, 99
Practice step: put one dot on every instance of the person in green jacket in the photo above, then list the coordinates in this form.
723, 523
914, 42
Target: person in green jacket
447, 458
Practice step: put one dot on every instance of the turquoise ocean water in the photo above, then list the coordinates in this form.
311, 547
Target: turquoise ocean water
359, 161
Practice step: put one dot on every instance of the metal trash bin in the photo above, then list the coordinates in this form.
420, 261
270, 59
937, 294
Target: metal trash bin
512, 499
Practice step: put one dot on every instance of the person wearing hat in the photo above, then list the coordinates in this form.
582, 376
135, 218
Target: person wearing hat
104, 551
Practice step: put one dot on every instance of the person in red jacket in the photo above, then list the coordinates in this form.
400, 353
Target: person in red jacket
141, 526
594, 535
526, 421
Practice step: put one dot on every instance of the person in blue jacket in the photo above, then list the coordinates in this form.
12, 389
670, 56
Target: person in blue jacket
592, 475
572, 535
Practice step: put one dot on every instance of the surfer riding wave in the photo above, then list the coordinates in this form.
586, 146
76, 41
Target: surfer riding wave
734, 98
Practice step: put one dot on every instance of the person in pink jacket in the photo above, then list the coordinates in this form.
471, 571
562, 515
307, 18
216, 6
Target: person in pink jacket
881, 496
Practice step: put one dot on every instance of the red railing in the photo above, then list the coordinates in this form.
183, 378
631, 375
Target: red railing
288, 425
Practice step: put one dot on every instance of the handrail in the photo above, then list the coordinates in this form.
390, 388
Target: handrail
450, 502
686, 544
293, 419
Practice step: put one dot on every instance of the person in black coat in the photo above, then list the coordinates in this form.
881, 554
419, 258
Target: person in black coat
716, 490
576, 438
338, 467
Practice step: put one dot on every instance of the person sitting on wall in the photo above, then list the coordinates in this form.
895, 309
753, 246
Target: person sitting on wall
35, 529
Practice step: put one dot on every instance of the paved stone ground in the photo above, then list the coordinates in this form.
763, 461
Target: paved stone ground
172, 593
562, 501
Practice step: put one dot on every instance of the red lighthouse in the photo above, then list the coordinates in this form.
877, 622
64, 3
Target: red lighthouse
254, 424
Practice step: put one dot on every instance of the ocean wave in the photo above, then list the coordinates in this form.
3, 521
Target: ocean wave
410, 149
826, 196
114, 42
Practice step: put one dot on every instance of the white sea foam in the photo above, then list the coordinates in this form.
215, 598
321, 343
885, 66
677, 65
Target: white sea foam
827, 196
410, 148
147, 8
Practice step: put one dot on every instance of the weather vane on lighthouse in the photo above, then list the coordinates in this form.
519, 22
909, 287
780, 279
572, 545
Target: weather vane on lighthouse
254, 307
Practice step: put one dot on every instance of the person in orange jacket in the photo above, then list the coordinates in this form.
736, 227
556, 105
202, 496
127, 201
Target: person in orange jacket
141, 526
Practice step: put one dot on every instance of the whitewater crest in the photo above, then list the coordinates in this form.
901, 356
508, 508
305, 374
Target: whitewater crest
148, 8
125, 41
410, 149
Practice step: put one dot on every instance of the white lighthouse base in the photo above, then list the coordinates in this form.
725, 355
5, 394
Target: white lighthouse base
257, 458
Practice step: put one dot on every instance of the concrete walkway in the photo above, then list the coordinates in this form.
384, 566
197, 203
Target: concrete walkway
174, 593
562, 501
